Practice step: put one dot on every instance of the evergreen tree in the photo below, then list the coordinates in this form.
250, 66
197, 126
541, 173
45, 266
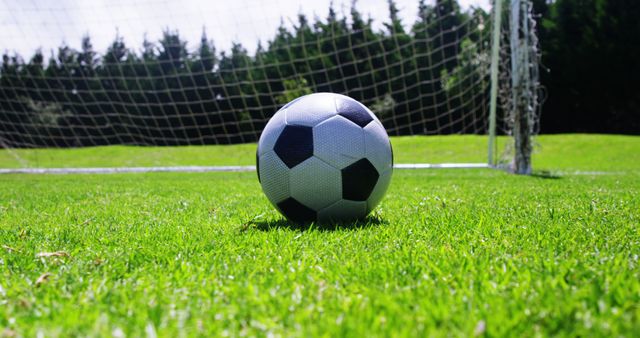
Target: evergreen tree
164, 93
202, 95
590, 49
12, 107
172, 52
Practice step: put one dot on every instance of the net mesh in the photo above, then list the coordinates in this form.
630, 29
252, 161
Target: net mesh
427, 75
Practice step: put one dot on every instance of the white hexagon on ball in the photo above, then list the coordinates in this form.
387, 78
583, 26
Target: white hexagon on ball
309, 110
324, 157
338, 141
271, 132
274, 177
315, 184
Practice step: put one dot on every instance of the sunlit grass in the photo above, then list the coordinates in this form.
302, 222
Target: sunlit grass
557, 152
448, 252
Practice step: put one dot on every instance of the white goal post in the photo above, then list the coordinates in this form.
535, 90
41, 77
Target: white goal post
437, 69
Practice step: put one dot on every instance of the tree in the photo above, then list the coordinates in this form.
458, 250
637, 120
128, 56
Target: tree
87, 58
590, 49
173, 51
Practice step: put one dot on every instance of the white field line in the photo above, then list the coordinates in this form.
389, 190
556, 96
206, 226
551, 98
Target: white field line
440, 165
201, 169
590, 173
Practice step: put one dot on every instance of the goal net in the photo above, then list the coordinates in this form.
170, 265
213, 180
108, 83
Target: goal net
169, 73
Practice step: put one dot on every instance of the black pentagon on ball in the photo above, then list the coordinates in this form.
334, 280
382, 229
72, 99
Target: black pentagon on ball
294, 145
353, 111
296, 211
358, 180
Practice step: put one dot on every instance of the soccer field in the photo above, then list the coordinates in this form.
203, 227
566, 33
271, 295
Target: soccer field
448, 252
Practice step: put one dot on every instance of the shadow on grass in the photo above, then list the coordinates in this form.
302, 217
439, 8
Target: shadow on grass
281, 223
544, 174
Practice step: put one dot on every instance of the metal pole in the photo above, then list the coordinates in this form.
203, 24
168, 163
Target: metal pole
520, 82
495, 63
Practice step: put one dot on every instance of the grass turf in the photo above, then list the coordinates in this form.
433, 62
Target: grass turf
552, 152
448, 252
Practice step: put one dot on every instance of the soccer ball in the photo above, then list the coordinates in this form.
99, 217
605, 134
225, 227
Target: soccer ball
324, 157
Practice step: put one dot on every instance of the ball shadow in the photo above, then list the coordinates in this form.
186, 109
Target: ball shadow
282, 223
544, 174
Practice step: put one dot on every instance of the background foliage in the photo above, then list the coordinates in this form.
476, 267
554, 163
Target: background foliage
590, 50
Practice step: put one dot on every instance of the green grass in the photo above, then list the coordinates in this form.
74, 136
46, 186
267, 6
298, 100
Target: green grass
552, 152
448, 252
129, 156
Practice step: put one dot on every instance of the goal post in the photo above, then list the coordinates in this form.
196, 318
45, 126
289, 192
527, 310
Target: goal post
437, 69
519, 85
495, 63
524, 80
